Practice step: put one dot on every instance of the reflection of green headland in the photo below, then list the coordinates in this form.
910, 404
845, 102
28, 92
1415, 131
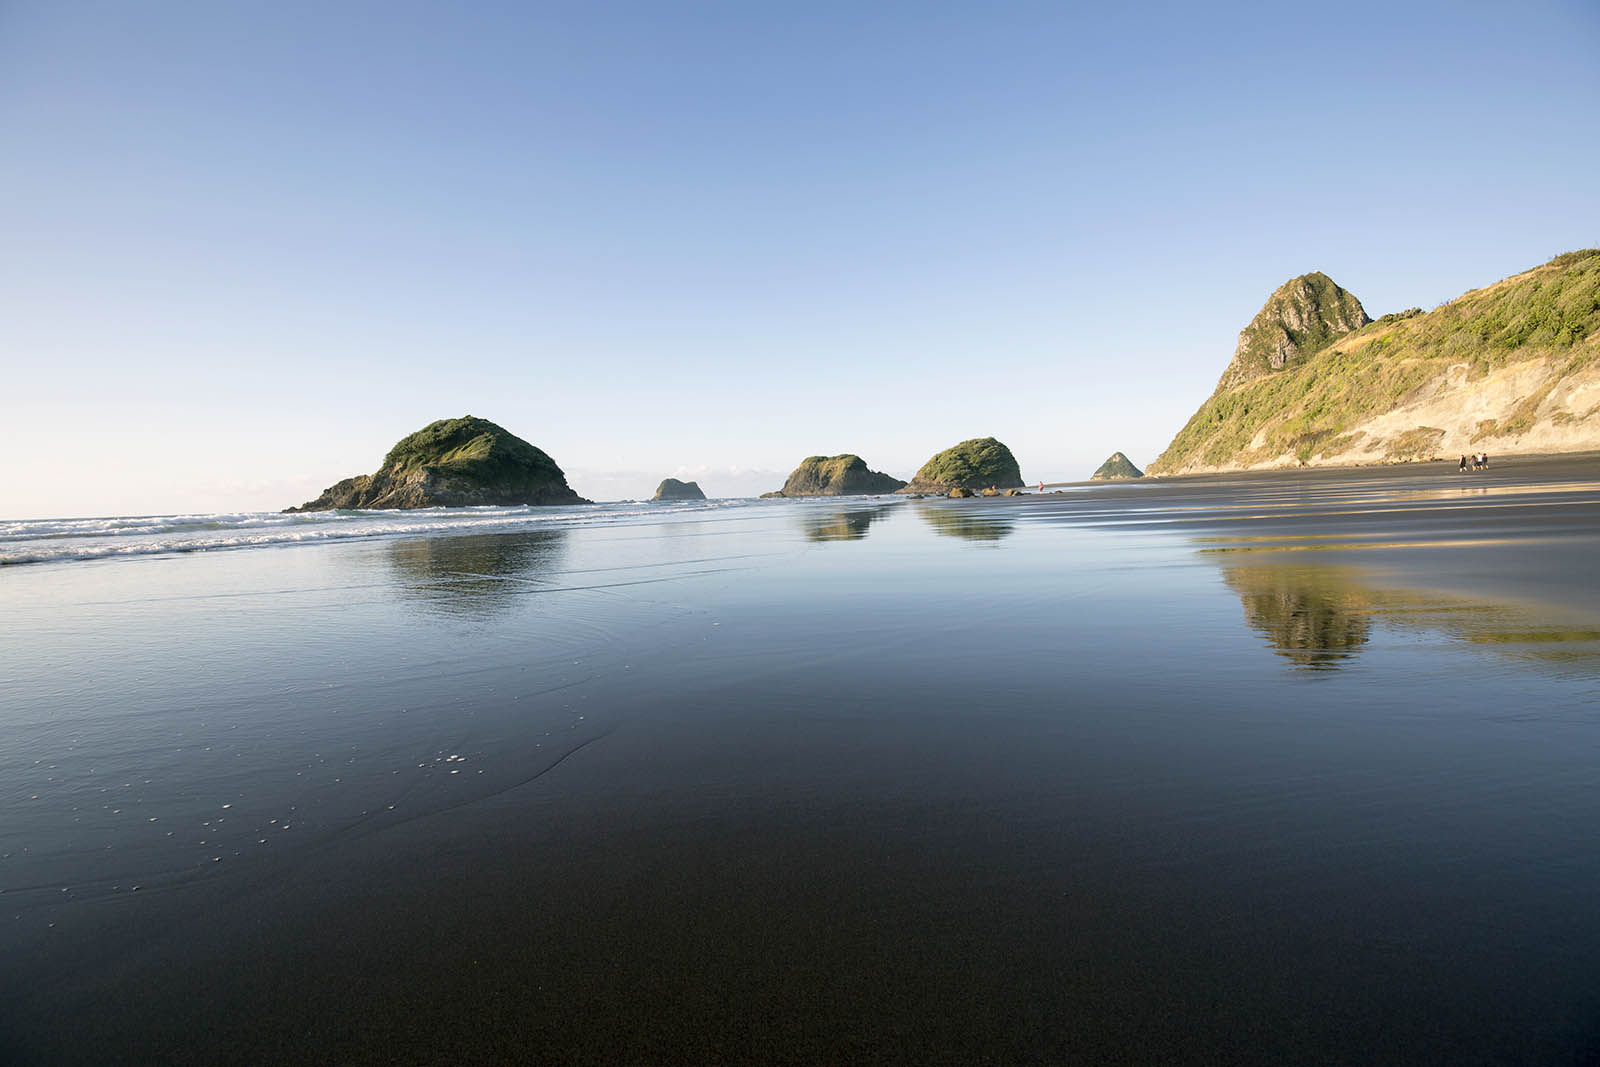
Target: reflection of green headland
966, 523
477, 574
850, 525
1317, 617
1306, 613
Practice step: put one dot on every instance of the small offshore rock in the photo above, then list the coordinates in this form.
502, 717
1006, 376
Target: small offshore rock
1116, 468
672, 489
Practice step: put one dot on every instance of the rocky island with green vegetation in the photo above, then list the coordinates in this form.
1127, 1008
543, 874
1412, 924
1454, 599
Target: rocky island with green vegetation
843, 475
1116, 469
672, 489
1510, 367
465, 462
979, 463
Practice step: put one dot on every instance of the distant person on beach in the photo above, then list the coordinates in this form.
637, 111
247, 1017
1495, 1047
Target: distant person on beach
1463, 466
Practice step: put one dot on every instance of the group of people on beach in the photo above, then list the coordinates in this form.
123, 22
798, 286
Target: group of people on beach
1480, 461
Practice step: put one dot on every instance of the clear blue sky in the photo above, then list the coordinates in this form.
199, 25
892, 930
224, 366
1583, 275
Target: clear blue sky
247, 245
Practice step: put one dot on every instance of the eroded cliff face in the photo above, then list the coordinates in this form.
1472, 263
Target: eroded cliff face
465, 462
1512, 367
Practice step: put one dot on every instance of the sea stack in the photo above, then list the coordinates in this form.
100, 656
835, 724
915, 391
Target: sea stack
842, 475
976, 464
672, 489
1116, 469
454, 463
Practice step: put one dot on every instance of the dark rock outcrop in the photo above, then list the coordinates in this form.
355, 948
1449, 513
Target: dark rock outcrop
1115, 469
843, 475
465, 462
672, 489
979, 463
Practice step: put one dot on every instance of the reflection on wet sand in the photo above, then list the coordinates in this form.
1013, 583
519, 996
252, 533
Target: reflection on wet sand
475, 575
848, 525
969, 525
1320, 617
1307, 614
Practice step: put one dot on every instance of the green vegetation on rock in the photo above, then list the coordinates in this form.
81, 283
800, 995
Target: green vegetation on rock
844, 475
465, 462
672, 489
1116, 468
1301, 318
1323, 402
975, 464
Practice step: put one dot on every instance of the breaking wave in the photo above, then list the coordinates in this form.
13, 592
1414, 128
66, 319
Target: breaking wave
53, 540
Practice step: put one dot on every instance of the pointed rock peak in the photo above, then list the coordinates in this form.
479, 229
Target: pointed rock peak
1116, 468
1302, 316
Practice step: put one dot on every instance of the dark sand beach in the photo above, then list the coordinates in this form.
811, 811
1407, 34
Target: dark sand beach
1264, 768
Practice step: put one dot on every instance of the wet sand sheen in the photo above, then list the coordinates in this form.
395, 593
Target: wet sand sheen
986, 780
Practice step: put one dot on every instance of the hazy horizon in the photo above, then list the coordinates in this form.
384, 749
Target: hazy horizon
250, 248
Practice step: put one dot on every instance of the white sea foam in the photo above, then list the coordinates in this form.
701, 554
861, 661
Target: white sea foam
52, 540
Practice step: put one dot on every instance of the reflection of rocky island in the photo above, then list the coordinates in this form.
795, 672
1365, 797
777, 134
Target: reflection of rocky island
465, 462
672, 489
843, 475
965, 524
1311, 616
475, 574
975, 464
844, 525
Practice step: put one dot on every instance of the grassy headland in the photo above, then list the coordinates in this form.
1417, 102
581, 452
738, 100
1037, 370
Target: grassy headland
1507, 366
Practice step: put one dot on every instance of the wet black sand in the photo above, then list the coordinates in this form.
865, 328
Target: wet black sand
1292, 767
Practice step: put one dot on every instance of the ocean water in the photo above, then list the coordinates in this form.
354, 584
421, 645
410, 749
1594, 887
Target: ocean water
59, 540
1272, 768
